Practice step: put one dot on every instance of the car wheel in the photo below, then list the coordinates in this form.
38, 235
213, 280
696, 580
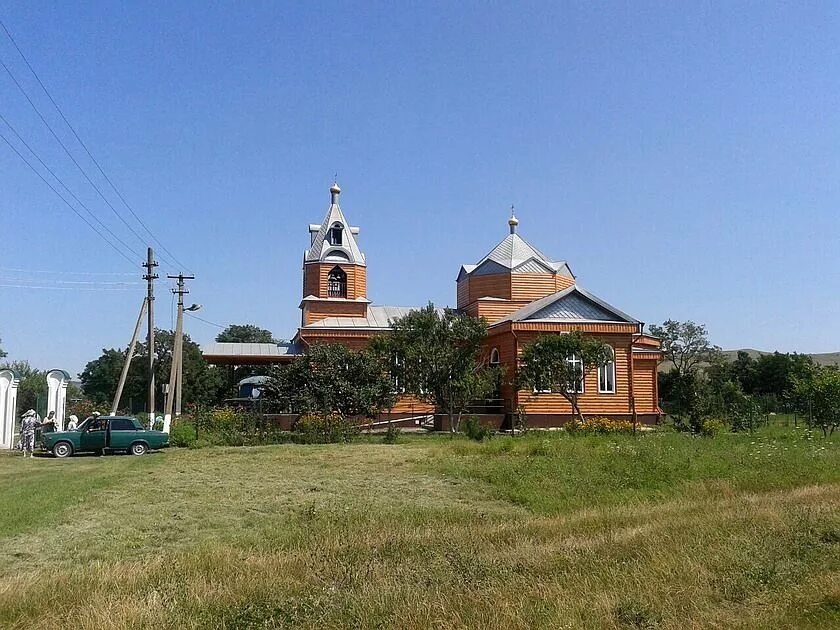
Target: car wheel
62, 449
138, 448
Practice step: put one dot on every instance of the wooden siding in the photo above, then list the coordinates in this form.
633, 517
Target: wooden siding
517, 288
592, 402
411, 405
548, 327
353, 339
315, 279
315, 311
533, 286
463, 292
492, 285
494, 310
645, 386
648, 341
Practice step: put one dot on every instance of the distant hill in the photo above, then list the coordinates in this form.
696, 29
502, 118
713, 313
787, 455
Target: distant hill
823, 358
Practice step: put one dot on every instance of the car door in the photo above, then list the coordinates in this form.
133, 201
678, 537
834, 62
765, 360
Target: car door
93, 437
122, 433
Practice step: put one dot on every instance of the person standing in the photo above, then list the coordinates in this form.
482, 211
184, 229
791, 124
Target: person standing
49, 422
73, 423
28, 424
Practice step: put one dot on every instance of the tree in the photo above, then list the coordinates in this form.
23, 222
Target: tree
33, 384
820, 394
2, 352
436, 355
245, 333
331, 378
202, 383
685, 344
559, 364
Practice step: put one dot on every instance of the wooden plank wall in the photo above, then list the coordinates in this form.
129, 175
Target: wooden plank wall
533, 286
519, 287
315, 279
645, 386
591, 401
494, 310
315, 311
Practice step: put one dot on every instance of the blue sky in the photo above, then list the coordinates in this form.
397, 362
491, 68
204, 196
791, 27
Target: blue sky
682, 158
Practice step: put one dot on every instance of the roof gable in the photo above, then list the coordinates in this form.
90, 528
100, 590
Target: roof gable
515, 254
514, 250
322, 249
573, 304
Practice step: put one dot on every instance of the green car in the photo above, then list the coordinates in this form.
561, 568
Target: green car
105, 433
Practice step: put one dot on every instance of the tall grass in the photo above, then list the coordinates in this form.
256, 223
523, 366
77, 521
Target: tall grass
660, 530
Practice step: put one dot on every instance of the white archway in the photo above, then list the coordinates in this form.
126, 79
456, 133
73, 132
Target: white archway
9, 382
57, 396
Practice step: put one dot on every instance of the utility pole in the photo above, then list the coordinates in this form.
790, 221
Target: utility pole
129, 355
176, 372
150, 278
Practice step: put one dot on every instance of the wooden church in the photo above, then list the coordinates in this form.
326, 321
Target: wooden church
518, 290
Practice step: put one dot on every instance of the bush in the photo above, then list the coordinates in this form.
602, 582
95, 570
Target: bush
475, 431
599, 426
391, 435
182, 433
226, 427
711, 427
323, 429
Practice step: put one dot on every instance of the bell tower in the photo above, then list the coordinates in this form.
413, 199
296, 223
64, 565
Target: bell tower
334, 268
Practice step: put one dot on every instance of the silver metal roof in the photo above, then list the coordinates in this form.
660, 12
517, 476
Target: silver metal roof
573, 304
516, 254
513, 251
250, 349
321, 249
378, 318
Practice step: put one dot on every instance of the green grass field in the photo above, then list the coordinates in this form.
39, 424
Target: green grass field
662, 530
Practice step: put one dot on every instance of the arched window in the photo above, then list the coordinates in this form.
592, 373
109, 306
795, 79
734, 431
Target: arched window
606, 376
494, 357
335, 234
337, 283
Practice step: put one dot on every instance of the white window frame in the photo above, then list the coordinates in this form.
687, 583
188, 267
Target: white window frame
573, 360
544, 391
397, 388
494, 353
607, 373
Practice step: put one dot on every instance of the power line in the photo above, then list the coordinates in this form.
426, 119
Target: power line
205, 321
67, 151
76, 282
68, 273
74, 288
84, 146
63, 185
67, 203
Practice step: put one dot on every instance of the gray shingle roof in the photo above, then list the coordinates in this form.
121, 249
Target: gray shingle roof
378, 317
348, 251
573, 304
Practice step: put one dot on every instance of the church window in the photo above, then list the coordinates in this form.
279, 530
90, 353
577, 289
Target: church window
337, 283
335, 234
576, 368
606, 377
